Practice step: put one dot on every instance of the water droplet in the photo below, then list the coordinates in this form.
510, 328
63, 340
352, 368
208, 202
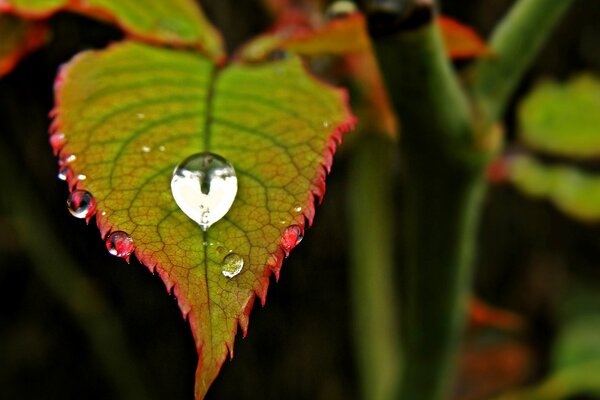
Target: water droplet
119, 244
298, 209
326, 124
146, 149
220, 250
140, 115
81, 203
57, 141
161, 148
340, 9
232, 265
204, 186
81, 177
63, 173
292, 235
68, 159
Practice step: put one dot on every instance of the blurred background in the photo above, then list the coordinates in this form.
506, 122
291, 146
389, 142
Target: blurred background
538, 265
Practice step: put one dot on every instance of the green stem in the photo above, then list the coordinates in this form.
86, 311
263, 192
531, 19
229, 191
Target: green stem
514, 45
372, 237
443, 189
73, 289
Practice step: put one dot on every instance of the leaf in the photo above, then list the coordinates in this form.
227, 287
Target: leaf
132, 112
576, 351
563, 119
175, 22
460, 40
574, 192
19, 38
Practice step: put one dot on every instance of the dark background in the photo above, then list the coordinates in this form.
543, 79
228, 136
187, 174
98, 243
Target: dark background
299, 346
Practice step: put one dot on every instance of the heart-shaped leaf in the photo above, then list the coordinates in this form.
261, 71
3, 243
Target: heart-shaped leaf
19, 37
128, 115
176, 22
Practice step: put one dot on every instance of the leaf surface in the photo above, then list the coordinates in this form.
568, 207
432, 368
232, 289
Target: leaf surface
131, 113
460, 40
19, 38
563, 119
176, 22
573, 191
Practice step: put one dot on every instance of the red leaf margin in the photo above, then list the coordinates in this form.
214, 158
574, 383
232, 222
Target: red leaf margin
36, 36
102, 14
275, 261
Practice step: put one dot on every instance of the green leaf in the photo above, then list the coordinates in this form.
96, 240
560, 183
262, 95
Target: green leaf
575, 192
19, 38
175, 22
132, 112
563, 119
576, 352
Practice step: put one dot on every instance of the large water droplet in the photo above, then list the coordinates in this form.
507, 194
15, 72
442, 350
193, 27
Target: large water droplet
291, 237
204, 186
120, 244
232, 265
81, 204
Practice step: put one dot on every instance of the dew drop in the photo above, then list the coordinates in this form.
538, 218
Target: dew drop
326, 124
204, 186
298, 209
146, 149
81, 177
63, 173
119, 244
140, 115
161, 148
232, 265
68, 159
291, 237
81, 203
57, 141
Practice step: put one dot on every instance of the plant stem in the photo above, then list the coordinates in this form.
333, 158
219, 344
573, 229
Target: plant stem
372, 237
514, 44
443, 188
74, 290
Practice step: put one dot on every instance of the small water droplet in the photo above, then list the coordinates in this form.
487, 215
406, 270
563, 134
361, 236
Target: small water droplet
146, 149
232, 265
120, 244
63, 173
103, 213
81, 203
204, 186
161, 148
326, 124
140, 115
340, 9
221, 250
291, 237
298, 209
57, 141
68, 159
81, 177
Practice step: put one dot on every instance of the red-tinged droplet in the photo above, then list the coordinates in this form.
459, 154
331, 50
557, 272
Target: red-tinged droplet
292, 235
120, 244
57, 141
81, 204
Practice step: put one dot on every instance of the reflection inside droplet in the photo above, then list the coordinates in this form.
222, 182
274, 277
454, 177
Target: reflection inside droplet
81, 204
119, 244
232, 265
291, 237
204, 186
